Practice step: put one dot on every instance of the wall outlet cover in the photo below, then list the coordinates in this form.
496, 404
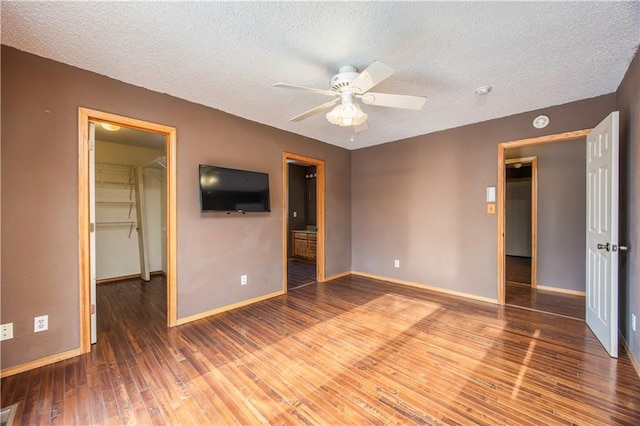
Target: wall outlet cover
6, 331
40, 323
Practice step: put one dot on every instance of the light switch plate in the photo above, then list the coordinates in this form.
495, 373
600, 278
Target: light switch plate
491, 194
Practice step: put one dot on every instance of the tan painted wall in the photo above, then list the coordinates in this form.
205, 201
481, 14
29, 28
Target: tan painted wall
562, 200
517, 239
422, 200
40, 100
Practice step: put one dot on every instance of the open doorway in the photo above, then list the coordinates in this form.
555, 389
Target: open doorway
130, 203
542, 195
303, 218
111, 202
521, 199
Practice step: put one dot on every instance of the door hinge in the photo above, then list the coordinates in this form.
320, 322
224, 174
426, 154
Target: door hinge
92, 144
92, 227
93, 309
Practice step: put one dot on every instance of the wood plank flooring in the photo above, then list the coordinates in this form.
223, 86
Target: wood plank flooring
518, 269
299, 273
524, 296
351, 351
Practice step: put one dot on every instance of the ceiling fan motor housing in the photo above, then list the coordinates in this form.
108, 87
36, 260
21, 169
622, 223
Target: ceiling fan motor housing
343, 79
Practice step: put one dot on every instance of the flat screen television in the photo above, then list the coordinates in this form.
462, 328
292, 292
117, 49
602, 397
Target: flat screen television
231, 190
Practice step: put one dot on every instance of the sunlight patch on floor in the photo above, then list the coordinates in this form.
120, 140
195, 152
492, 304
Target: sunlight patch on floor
525, 363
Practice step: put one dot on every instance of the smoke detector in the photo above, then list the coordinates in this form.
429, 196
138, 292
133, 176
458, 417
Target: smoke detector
541, 121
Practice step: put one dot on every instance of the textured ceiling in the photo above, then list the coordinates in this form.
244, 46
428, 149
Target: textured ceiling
226, 55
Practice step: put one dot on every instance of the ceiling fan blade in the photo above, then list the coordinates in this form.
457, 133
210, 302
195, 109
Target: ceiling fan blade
315, 110
360, 128
308, 89
394, 101
373, 75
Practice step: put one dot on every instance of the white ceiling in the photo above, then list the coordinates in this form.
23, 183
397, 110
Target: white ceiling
226, 55
132, 137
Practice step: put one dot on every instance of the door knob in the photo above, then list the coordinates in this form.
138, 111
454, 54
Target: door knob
606, 246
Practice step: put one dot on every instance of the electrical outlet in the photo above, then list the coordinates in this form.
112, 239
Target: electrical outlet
633, 322
243, 280
6, 331
396, 263
41, 323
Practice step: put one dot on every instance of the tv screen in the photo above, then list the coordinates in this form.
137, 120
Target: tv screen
231, 190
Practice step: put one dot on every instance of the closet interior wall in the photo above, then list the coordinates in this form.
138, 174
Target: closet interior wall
117, 252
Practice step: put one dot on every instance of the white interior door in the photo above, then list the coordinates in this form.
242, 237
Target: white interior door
602, 233
92, 229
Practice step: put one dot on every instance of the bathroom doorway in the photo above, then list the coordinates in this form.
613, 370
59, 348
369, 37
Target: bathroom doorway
303, 251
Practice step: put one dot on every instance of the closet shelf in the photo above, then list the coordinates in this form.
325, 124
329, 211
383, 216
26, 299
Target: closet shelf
115, 203
113, 184
115, 222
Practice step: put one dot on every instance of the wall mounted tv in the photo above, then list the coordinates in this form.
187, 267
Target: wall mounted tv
231, 190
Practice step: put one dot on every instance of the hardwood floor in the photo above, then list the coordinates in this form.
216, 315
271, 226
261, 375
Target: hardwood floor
518, 269
522, 295
351, 351
299, 273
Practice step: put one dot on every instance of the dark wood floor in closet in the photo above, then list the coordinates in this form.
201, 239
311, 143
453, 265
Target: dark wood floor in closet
350, 351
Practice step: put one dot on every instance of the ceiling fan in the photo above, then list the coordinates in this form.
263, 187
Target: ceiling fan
348, 85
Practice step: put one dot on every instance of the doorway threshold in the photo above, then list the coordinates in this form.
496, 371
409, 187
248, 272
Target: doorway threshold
542, 312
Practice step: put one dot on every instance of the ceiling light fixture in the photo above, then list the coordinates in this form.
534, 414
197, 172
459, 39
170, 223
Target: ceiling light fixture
483, 90
541, 121
110, 127
347, 114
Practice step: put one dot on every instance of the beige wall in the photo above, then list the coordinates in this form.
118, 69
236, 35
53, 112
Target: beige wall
517, 228
422, 200
562, 201
628, 103
117, 252
40, 100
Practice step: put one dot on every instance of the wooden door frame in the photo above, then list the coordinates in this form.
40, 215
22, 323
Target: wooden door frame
84, 116
534, 212
320, 212
502, 146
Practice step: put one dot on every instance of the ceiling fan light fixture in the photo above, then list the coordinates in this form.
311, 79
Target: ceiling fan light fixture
347, 115
483, 90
